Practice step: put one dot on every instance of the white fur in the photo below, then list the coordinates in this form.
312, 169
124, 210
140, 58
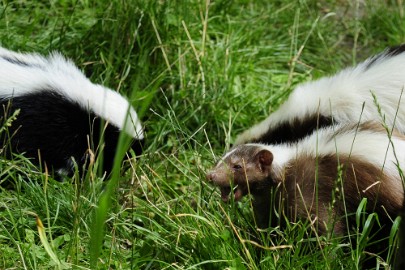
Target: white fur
60, 74
282, 153
343, 95
366, 145
228, 154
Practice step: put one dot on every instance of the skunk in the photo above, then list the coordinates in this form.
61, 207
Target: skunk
339, 99
352, 161
60, 114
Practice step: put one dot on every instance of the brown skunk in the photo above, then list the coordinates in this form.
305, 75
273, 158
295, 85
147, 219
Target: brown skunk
350, 161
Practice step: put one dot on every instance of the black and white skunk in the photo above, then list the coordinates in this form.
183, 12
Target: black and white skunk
61, 113
339, 99
359, 161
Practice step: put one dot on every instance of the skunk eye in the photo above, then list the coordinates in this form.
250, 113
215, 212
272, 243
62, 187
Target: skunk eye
236, 167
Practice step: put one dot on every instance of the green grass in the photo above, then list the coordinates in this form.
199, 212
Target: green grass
199, 73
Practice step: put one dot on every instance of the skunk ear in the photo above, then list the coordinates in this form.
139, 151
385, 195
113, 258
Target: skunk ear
264, 158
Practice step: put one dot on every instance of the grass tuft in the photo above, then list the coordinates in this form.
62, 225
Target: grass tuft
198, 72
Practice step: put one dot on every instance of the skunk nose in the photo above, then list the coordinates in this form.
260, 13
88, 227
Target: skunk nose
210, 176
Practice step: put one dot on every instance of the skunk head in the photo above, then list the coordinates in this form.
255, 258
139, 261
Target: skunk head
242, 171
62, 116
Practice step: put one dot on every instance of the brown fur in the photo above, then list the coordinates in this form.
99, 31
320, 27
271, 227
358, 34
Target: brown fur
244, 169
308, 191
308, 187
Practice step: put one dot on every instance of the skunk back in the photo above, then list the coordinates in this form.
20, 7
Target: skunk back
61, 115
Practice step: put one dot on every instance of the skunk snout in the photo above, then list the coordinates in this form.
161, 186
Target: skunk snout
210, 176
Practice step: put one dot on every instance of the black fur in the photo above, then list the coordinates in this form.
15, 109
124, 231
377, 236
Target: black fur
393, 51
59, 129
20, 62
295, 130
390, 52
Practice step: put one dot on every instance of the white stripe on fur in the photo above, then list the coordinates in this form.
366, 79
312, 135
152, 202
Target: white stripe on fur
60, 74
366, 145
343, 95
